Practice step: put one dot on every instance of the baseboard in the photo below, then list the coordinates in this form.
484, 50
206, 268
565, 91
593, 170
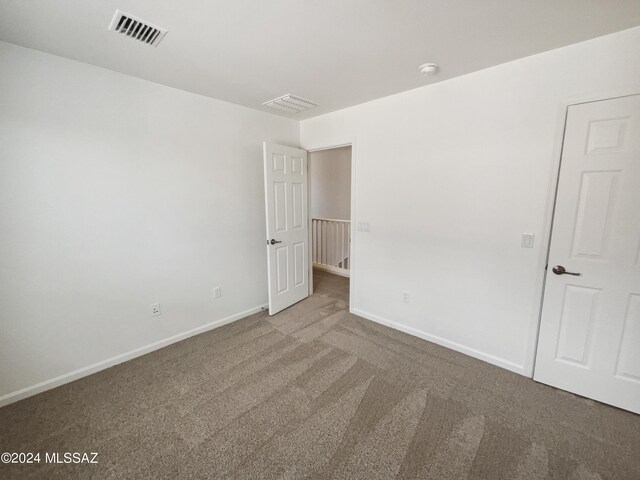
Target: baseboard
500, 362
110, 362
335, 270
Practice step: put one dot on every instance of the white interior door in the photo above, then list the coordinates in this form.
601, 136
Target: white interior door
589, 339
285, 186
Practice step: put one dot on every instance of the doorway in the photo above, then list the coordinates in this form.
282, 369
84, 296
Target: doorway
590, 322
330, 214
289, 225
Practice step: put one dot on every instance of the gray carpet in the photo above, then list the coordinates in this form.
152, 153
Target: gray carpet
316, 392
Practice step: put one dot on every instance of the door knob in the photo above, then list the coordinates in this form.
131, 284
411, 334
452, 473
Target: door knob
560, 270
273, 242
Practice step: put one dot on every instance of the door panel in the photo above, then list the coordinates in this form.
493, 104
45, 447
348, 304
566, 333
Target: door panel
594, 211
280, 206
298, 205
629, 363
576, 324
589, 340
285, 172
299, 264
282, 269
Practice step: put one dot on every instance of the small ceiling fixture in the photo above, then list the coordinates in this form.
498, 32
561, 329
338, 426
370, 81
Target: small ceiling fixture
290, 103
428, 68
136, 28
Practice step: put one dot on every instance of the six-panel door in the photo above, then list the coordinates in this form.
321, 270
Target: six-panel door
589, 339
286, 186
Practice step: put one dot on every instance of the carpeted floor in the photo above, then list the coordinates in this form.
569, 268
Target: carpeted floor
316, 392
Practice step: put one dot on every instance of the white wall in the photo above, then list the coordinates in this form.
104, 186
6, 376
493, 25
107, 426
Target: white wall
116, 193
450, 175
330, 177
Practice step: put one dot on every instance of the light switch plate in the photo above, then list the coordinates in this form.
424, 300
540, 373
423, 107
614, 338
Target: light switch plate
527, 240
364, 227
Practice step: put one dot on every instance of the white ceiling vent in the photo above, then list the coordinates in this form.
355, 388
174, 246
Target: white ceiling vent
290, 103
137, 29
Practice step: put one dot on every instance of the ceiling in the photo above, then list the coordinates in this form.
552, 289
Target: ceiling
337, 53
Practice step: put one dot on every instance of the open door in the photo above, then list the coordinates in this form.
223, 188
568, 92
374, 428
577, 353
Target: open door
589, 339
285, 189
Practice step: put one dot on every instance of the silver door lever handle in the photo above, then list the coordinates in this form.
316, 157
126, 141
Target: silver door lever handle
273, 242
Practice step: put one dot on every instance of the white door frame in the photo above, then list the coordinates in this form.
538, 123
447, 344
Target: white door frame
349, 142
563, 109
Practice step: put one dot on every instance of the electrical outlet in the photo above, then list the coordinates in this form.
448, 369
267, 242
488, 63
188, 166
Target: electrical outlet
155, 309
217, 292
405, 297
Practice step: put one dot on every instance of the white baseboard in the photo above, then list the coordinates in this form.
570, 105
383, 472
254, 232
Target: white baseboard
110, 362
500, 362
335, 270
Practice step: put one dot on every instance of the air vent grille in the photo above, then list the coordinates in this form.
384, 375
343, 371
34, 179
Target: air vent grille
290, 103
137, 29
